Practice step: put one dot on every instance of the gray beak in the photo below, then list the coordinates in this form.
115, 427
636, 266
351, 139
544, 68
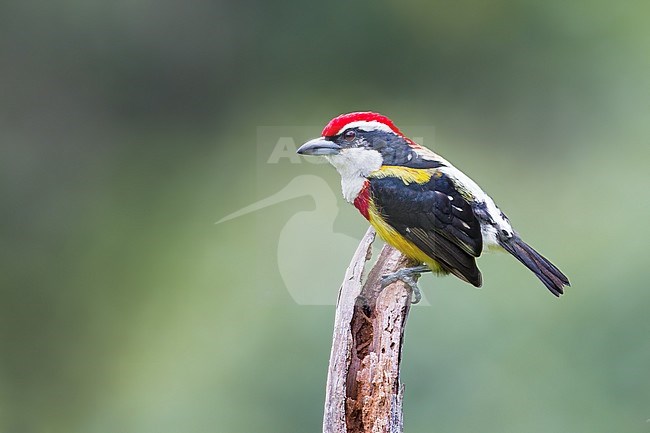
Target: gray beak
319, 146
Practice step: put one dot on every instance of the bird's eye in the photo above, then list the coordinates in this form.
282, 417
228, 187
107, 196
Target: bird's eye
349, 135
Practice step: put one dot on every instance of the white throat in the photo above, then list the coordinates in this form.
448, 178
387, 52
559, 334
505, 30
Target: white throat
354, 165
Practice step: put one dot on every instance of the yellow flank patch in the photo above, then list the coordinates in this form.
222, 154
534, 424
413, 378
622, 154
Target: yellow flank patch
406, 174
393, 238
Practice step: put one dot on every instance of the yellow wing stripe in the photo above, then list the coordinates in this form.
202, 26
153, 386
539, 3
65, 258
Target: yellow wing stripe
406, 174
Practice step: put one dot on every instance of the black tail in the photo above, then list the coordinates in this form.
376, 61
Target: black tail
551, 276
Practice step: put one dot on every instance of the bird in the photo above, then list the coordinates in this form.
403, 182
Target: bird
420, 204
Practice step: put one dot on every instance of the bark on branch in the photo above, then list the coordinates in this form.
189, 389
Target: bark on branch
363, 391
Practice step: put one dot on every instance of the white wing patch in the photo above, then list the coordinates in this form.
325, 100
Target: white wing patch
488, 231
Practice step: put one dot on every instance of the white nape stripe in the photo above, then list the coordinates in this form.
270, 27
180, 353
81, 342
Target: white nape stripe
365, 125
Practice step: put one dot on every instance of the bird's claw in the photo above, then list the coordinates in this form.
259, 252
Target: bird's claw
407, 276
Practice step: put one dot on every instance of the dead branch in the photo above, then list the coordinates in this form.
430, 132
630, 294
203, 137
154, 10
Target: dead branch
363, 392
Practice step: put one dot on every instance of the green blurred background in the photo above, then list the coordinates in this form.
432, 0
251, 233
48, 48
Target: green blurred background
128, 128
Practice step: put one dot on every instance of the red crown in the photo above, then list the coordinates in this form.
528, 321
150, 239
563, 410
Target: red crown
339, 122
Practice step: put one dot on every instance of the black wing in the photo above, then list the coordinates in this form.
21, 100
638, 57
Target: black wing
436, 218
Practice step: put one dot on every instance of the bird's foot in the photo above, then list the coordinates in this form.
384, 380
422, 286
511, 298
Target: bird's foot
407, 276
